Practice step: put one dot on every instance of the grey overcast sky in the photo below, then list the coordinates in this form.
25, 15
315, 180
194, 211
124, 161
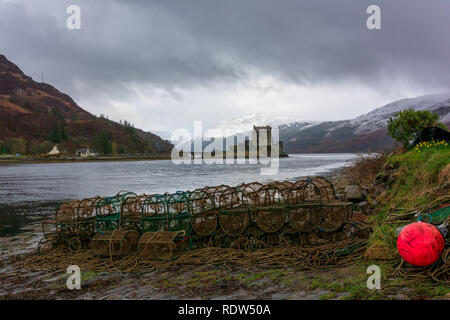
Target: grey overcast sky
163, 64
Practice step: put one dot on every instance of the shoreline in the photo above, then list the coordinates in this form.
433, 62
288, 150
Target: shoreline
33, 160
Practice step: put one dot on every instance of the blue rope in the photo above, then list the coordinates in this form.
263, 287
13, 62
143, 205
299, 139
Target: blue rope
419, 218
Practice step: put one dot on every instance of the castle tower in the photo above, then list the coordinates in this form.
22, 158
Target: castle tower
264, 144
268, 143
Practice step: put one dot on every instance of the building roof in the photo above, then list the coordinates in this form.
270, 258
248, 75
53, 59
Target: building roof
54, 151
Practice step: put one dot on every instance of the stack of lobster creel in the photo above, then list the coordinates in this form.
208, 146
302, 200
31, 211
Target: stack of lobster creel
248, 216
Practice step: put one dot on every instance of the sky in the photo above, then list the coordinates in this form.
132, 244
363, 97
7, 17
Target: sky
161, 65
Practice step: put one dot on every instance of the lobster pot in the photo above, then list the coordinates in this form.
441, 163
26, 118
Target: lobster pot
204, 213
325, 188
288, 229
178, 203
234, 221
284, 191
348, 207
333, 215
123, 194
317, 238
107, 214
205, 223
67, 211
154, 213
215, 193
85, 229
161, 245
86, 208
270, 214
49, 229
304, 217
250, 193
270, 219
131, 213
311, 189
180, 222
155, 223
297, 193
115, 243
131, 208
153, 205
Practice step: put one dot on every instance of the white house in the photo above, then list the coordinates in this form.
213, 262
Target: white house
54, 151
85, 152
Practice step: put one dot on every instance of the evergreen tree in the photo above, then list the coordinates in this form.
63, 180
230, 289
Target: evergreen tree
406, 125
102, 142
55, 134
63, 132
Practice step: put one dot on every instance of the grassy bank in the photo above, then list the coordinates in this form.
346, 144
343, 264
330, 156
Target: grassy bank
418, 177
410, 180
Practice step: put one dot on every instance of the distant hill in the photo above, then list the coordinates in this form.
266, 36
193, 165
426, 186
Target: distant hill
365, 133
35, 116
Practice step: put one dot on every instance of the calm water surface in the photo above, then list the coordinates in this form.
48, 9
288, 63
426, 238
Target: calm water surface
60, 181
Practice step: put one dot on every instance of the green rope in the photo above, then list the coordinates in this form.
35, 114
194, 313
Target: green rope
437, 216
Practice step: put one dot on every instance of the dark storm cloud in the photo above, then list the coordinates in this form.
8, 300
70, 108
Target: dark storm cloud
179, 44
326, 40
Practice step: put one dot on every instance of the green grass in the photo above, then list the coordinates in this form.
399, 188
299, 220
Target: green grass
416, 175
384, 234
272, 274
353, 284
429, 290
328, 296
4, 155
88, 275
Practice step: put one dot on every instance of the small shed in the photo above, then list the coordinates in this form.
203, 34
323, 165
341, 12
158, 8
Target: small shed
54, 151
432, 133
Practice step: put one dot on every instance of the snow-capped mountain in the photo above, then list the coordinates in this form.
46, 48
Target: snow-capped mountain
378, 118
361, 134
364, 133
235, 127
244, 124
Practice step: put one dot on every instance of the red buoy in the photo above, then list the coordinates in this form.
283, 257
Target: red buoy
420, 244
